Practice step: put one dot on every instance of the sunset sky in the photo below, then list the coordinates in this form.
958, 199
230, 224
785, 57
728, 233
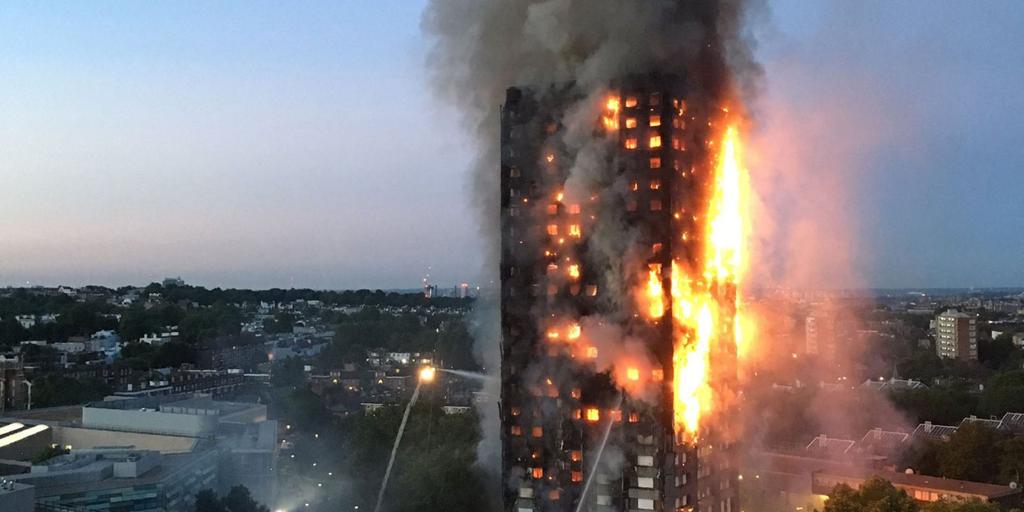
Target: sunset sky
259, 144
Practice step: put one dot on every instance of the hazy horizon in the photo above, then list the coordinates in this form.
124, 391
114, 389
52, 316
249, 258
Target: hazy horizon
259, 145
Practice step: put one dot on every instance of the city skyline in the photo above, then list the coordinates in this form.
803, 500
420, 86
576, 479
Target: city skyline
227, 146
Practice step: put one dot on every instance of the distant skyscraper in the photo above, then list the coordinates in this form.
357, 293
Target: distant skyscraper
956, 335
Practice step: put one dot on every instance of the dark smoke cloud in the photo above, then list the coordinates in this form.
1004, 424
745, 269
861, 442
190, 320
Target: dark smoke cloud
482, 47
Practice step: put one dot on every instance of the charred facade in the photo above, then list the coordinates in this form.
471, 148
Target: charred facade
582, 420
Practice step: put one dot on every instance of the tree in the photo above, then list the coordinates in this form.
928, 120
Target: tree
875, 495
239, 500
207, 501
961, 506
289, 372
970, 453
48, 453
1011, 466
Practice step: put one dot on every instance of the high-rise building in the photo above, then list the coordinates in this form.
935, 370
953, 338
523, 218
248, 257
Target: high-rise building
956, 335
573, 428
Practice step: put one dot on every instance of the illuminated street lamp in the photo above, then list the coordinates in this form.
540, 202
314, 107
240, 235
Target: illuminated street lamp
427, 374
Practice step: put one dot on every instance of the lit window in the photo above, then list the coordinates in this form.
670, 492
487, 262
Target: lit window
576, 455
538, 473
553, 495
574, 209
513, 172
630, 122
655, 205
655, 184
631, 101
516, 411
577, 414
634, 186
553, 229
679, 123
552, 209
517, 430
655, 141
577, 476
574, 230
631, 143
592, 352
677, 144
656, 248
655, 162
575, 393
634, 417
537, 432
592, 290
616, 415
658, 374
654, 120
593, 414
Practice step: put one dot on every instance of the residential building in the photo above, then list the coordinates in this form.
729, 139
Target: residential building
956, 335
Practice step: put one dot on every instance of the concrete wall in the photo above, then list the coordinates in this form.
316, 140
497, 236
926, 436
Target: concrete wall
22, 498
149, 421
84, 439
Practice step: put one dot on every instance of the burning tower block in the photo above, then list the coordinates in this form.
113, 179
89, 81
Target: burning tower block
618, 301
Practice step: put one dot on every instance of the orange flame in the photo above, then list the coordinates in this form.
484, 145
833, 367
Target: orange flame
655, 293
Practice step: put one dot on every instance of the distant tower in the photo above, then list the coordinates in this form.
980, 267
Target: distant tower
956, 335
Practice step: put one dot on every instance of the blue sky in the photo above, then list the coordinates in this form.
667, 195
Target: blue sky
270, 144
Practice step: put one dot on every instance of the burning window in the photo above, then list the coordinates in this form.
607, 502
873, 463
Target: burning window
678, 123
654, 120
634, 417
537, 432
552, 268
577, 414
576, 455
677, 143
616, 415
552, 209
633, 374
654, 141
658, 374
631, 101
656, 248
577, 476
592, 352
553, 229
655, 162
655, 184
630, 122
516, 430
593, 414
631, 143
575, 393
538, 473
634, 186
515, 411
574, 332
574, 271
574, 230
574, 209
592, 290
655, 205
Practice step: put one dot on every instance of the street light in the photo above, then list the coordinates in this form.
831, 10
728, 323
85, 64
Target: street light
427, 373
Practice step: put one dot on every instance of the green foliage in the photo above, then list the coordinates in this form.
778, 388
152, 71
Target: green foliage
204, 324
281, 323
941, 405
238, 499
288, 373
53, 390
307, 410
961, 506
875, 495
970, 454
434, 470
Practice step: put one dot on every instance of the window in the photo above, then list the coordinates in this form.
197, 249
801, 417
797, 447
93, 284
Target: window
634, 417
577, 476
553, 229
654, 99
592, 290
593, 414
537, 432
655, 184
631, 205
513, 211
513, 172
645, 504
526, 492
655, 205
538, 473
678, 123
576, 455
630, 122
516, 430
631, 143
656, 248
552, 209
592, 352
677, 144
655, 162
574, 209
634, 186
574, 231
654, 120
553, 495
645, 482
645, 460
654, 141
631, 101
